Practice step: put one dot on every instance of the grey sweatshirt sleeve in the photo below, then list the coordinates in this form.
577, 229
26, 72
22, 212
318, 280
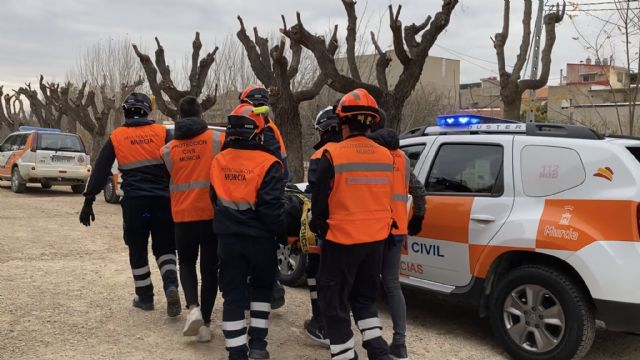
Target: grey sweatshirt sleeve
418, 193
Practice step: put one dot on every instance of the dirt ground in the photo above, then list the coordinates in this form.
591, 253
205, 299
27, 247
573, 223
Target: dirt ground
65, 293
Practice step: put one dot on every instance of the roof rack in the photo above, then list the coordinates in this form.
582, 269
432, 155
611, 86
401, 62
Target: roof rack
34, 128
519, 128
415, 132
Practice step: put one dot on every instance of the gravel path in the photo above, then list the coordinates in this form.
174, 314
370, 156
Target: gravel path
65, 293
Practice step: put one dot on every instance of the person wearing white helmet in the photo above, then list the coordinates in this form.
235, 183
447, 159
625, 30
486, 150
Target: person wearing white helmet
326, 124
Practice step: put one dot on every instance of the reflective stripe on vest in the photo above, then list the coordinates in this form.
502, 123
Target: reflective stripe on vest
401, 174
237, 205
353, 167
236, 175
138, 164
138, 146
189, 163
360, 199
189, 186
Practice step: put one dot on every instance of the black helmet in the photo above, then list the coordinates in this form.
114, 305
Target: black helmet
255, 95
138, 101
326, 120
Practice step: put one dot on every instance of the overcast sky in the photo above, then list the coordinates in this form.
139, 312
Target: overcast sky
46, 36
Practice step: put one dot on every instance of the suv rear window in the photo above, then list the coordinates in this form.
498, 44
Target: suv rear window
60, 142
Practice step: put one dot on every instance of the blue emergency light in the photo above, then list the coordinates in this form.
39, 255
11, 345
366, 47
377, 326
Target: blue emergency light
457, 120
466, 120
34, 128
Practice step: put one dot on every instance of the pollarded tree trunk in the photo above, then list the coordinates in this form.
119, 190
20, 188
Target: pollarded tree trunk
291, 130
511, 85
512, 106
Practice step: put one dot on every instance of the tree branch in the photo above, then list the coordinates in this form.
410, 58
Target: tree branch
196, 45
352, 29
326, 61
398, 42
4, 119
500, 41
261, 69
411, 73
152, 77
550, 21
263, 45
526, 41
381, 64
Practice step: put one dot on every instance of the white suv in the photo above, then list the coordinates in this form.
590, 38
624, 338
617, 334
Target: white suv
535, 224
45, 156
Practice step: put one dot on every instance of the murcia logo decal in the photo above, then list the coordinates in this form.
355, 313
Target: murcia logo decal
605, 173
566, 215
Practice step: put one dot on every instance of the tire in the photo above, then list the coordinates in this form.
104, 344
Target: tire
18, 185
109, 192
292, 265
46, 185
533, 291
78, 189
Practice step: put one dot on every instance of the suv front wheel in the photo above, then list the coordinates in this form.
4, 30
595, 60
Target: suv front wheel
18, 185
538, 313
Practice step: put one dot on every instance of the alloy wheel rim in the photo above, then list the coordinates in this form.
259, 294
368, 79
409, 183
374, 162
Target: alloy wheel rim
534, 318
288, 260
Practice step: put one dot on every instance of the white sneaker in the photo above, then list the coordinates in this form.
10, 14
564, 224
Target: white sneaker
204, 334
194, 322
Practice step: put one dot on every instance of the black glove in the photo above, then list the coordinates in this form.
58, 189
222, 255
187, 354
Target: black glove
415, 224
86, 214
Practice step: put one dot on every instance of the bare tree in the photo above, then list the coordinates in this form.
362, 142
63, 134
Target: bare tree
12, 113
197, 78
89, 107
110, 64
47, 113
412, 57
511, 85
276, 72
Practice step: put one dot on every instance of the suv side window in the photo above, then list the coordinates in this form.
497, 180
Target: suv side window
474, 169
21, 141
413, 152
8, 143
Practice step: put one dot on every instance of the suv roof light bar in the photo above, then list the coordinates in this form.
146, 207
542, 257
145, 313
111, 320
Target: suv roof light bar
479, 128
529, 129
467, 119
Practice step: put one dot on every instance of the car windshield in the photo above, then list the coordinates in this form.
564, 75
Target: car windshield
60, 142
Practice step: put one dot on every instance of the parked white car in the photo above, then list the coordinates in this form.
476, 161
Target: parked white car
45, 156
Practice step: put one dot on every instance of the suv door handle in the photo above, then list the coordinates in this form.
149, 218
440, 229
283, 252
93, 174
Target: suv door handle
483, 218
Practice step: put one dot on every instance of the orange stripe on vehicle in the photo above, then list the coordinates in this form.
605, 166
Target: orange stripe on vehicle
447, 218
573, 224
481, 257
13, 158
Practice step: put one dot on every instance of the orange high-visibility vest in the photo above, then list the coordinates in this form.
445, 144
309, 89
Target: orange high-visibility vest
318, 153
360, 200
276, 132
189, 163
138, 146
236, 176
400, 195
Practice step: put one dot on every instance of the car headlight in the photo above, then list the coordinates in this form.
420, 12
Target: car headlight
81, 159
